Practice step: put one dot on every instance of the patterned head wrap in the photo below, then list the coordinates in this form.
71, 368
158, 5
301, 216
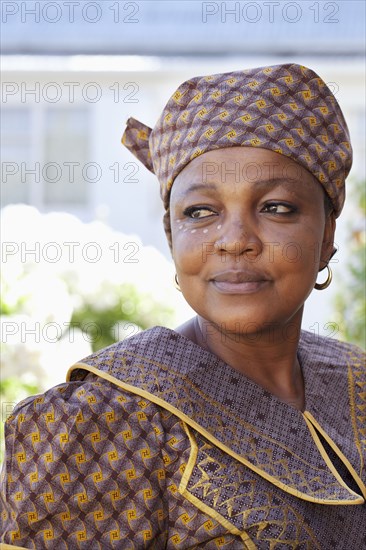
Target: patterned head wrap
285, 108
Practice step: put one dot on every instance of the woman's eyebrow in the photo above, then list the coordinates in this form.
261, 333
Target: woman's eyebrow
199, 186
288, 183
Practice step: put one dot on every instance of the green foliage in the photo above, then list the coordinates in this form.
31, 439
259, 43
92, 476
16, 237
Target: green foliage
351, 302
121, 319
15, 389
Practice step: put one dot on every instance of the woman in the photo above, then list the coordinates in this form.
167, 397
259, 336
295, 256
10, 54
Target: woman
236, 429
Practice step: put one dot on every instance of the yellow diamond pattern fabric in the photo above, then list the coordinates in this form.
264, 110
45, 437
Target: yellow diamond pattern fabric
90, 466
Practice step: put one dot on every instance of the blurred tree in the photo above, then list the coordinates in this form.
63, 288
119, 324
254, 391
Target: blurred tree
350, 304
131, 312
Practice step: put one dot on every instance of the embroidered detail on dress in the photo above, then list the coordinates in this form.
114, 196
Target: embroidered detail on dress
240, 500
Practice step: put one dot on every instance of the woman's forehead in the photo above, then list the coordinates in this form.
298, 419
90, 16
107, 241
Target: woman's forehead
240, 164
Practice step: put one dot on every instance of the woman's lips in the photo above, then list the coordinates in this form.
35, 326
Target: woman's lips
239, 282
238, 288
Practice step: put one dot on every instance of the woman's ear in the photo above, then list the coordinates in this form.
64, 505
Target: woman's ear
328, 249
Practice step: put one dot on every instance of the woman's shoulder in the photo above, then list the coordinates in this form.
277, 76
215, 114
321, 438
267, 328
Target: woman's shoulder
85, 387
143, 343
72, 402
330, 352
155, 346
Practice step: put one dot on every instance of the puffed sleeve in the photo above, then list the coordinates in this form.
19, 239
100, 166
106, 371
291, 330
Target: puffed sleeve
83, 469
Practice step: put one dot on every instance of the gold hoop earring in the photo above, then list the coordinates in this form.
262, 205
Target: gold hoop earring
176, 283
322, 286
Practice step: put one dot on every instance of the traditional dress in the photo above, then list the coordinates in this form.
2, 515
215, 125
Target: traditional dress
157, 443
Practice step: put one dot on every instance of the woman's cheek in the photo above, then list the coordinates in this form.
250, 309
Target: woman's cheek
308, 249
187, 253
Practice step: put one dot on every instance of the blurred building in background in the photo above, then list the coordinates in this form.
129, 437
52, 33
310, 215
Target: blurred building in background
73, 72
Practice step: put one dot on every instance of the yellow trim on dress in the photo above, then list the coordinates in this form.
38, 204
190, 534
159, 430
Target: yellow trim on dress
311, 422
198, 503
351, 393
158, 401
4, 546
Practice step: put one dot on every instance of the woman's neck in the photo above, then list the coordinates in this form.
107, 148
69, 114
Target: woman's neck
269, 360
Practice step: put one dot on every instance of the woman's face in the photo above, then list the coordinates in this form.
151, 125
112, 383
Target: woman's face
249, 235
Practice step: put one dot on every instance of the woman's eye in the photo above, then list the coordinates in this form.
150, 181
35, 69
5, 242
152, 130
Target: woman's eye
278, 208
197, 212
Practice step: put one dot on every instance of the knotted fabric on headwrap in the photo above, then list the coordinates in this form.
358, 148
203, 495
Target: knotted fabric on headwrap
136, 139
285, 108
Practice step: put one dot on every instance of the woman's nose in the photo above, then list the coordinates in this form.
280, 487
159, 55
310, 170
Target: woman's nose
236, 237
